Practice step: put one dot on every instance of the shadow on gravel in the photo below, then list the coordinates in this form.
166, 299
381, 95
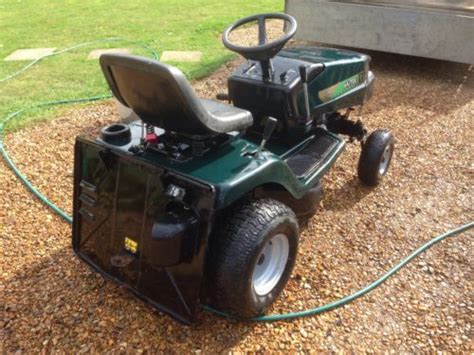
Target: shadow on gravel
421, 77
64, 305
423, 68
345, 196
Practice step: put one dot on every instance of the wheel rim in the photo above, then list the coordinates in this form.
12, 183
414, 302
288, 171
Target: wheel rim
386, 157
270, 264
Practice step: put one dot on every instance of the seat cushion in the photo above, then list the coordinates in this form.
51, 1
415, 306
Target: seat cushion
229, 118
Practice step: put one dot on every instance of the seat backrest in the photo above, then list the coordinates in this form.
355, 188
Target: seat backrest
158, 93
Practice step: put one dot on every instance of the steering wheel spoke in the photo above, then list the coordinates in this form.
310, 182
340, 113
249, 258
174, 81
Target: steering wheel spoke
262, 31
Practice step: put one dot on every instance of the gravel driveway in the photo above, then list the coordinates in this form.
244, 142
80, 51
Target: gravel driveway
50, 300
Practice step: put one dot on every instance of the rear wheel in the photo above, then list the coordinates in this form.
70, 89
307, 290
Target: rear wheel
252, 257
375, 157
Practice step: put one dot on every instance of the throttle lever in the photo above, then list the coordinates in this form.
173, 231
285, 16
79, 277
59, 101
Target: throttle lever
304, 80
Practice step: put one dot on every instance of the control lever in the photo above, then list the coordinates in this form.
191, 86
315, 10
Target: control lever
304, 80
267, 132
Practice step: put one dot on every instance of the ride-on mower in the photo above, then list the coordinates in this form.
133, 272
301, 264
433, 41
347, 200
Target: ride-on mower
198, 201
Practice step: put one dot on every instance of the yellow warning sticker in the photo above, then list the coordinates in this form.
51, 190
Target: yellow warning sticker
131, 245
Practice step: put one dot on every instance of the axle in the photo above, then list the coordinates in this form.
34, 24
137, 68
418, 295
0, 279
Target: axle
341, 124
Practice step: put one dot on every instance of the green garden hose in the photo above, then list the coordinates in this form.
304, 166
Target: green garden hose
76, 46
10, 117
370, 287
269, 318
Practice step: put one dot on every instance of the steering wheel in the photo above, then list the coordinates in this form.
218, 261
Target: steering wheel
263, 51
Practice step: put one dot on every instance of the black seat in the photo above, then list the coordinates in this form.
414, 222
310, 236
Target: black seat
161, 96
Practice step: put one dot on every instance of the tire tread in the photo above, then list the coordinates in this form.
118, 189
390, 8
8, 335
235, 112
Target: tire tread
232, 249
370, 156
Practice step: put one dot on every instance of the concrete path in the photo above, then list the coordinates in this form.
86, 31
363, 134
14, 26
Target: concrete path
181, 56
96, 53
29, 54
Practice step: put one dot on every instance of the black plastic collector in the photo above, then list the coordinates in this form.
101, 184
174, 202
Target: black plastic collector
130, 227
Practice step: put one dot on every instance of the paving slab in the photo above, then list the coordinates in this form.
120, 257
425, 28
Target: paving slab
29, 54
96, 53
181, 56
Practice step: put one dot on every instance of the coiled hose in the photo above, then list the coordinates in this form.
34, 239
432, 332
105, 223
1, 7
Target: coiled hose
266, 318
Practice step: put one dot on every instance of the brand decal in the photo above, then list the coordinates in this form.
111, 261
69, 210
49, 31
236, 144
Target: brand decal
341, 87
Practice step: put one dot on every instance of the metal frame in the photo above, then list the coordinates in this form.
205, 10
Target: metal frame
427, 28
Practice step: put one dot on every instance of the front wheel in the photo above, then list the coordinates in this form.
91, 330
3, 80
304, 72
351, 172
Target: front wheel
252, 257
375, 157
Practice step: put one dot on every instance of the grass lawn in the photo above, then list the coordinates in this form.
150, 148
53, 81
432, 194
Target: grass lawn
160, 24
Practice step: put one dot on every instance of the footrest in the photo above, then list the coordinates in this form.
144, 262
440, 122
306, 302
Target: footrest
313, 155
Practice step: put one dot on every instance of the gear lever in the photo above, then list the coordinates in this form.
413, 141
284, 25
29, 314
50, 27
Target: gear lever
267, 132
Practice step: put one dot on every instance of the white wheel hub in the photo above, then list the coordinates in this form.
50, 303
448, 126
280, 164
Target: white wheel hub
386, 157
270, 264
